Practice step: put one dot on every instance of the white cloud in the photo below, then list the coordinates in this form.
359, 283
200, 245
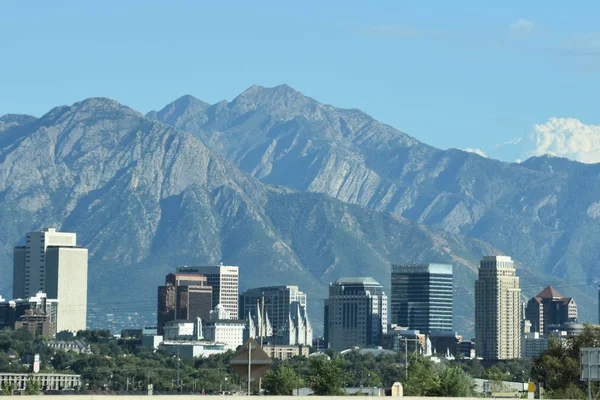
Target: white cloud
521, 29
510, 142
476, 151
585, 43
514, 141
567, 137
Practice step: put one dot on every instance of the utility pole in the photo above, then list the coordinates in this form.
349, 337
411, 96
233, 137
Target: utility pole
178, 370
262, 333
589, 378
262, 318
405, 358
249, 367
406, 340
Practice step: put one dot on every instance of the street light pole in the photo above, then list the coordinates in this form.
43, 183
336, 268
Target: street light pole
262, 333
249, 366
406, 340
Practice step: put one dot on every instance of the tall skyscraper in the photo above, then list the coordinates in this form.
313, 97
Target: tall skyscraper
285, 310
497, 310
548, 308
29, 273
51, 262
355, 313
224, 281
183, 297
422, 297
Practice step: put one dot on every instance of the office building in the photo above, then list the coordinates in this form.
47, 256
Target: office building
422, 297
221, 329
51, 262
355, 313
224, 281
37, 314
183, 297
497, 310
549, 307
285, 315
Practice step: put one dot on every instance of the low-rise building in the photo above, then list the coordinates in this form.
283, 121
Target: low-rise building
152, 342
74, 346
183, 330
19, 381
37, 314
534, 344
229, 332
221, 328
444, 342
465, 349
192, 349
285, 352
401, 339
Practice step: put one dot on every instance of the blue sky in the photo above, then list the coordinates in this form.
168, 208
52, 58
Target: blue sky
452, 74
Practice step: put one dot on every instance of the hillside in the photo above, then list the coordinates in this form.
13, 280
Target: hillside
145, 197
546, 218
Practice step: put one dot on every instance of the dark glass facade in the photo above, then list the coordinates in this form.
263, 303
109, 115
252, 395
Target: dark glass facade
422, 297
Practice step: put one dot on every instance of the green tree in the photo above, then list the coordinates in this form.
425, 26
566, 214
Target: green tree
422, 378
33, 386
7, 389
280, 381
454, 382
497, 377
326, 377
558, 367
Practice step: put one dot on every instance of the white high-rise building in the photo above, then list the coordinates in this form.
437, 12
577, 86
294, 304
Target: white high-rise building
224, 280
51, 262
497, 310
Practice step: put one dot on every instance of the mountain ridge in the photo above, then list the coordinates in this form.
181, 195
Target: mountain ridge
542, 218
145, 197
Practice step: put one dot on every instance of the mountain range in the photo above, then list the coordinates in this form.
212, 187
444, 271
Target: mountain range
293, 191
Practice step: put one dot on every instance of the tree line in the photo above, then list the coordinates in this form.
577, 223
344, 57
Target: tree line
121, 365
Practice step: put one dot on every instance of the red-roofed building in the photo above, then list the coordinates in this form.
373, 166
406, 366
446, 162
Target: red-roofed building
549, 307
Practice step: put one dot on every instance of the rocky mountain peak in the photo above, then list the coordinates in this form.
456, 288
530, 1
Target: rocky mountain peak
19, 119
279, 100
13, 120
554, 164
185, 105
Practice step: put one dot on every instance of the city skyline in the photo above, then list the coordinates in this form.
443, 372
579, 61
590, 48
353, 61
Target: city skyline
278, 313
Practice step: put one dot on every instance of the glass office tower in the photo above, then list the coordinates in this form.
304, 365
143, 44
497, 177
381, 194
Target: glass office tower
422, 297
